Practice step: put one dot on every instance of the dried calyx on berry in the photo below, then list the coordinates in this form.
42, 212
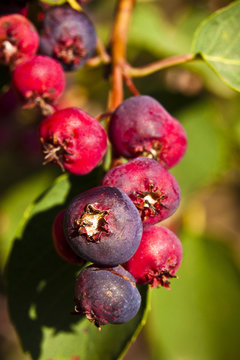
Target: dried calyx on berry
141, 126
103, 226
19, 40
106, 295
157, 258
68, 35
153, 190
74, 140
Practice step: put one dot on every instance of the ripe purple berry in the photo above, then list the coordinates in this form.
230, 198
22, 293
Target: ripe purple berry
106, 295
19, 39
157, 258
74, 140
153, 190
140, 126
68, 36
39, 81
103, 226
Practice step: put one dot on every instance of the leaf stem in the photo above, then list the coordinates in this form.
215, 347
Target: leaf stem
159, 65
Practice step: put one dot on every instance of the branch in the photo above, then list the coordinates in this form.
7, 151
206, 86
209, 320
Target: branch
118, 50
158, 65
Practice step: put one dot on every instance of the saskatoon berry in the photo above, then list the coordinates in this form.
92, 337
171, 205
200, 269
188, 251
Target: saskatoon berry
19, 39
157, 258
153, 190
74, 140
60, 243
69, 36
106, 295
39, 81
103, 226
140, 126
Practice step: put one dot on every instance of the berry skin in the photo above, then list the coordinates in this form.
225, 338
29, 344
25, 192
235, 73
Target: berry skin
140, 126
74, 140
103, 226
39, 81
19, 40
157, 258
68, 36
106, 295
60, 242
153, 190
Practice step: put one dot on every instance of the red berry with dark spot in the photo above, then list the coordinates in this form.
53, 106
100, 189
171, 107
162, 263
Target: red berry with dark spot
60, 243
39, 81
157, 258
74, 140
19, 39
68, 35
153, 190
103, 226
140, 126
106, 295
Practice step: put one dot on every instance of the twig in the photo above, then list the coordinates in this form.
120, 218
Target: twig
118, 50
159, 65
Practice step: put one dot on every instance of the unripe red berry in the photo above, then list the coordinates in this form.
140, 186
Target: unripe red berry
140, 126
19, 39
74, 140
158, 257
39, 81
153, 190
60, 243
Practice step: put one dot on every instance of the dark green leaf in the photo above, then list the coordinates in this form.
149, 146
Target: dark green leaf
13, 206
217, 40
41, 285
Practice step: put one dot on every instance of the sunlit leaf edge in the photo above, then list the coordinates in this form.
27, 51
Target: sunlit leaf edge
204, 57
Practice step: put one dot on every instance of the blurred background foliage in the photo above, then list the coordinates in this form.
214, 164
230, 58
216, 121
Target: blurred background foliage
199, 318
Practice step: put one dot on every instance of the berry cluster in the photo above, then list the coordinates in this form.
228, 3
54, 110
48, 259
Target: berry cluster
112, 226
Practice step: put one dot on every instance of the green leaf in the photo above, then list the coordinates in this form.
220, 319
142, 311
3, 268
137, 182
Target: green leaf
217, 40
206, 152
54, 2
199, 318
13, 205
41, 286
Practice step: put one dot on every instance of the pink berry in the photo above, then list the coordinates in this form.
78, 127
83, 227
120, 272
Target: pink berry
153, 190
19, 39
39, 81
60, 242
157, 258
74, 140
140, 126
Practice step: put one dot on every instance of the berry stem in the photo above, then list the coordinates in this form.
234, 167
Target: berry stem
130, 84
118, 50
159, 65
102, 58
